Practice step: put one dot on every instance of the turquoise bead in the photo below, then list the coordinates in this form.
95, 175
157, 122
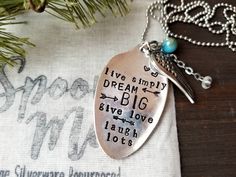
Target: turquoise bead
169, 45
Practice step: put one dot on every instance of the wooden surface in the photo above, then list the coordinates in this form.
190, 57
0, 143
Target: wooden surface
207, 129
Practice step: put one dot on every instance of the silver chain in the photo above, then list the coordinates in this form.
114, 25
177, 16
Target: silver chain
170, 13
188, 70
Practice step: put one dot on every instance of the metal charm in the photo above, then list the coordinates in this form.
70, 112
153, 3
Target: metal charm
206, 82
129, 102
164, 64
169, 69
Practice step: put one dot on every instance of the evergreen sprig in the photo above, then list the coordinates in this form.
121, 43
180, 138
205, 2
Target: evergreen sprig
10, 45
80, 12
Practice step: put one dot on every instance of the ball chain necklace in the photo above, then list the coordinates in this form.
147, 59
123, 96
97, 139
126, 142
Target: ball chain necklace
133, 87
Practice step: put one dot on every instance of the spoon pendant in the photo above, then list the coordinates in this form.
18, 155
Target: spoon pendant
129, 102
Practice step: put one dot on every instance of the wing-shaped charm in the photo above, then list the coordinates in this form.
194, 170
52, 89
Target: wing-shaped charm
166, 67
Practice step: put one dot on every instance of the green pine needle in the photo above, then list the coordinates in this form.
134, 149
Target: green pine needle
10, 45
83, 12
80, 12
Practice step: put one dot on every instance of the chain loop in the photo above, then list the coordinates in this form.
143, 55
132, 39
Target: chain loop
197, 76
180, 64
171, 13
189, 70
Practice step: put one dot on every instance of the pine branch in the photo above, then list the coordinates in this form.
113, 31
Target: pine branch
10, 45
80, 12
11, 7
